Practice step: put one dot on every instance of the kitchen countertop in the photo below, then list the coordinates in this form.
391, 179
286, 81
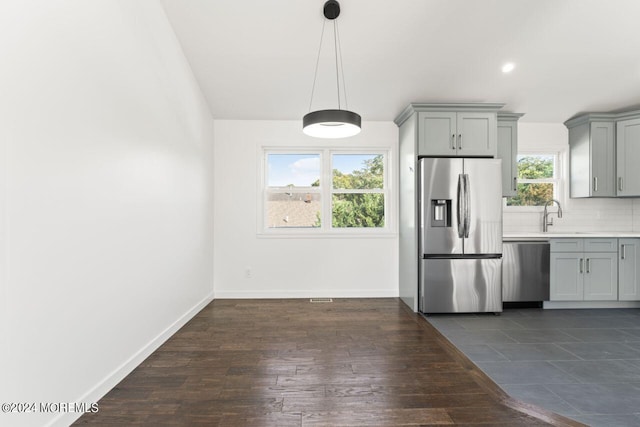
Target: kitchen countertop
538, 235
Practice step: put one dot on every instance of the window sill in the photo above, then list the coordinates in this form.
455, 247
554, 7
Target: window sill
350, 234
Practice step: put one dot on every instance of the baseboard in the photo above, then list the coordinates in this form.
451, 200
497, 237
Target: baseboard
104, 386
364, 293
589, 304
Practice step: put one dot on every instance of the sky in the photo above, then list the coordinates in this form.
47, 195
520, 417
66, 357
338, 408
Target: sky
303, 169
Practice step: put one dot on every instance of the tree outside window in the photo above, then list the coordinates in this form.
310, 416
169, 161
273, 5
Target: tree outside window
358, 190
537, 180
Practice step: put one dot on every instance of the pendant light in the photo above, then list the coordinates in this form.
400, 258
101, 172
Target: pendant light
337, 123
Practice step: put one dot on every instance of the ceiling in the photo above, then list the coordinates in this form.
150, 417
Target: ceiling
256, 59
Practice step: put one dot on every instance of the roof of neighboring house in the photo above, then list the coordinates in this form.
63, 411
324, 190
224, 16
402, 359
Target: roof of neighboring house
293, 210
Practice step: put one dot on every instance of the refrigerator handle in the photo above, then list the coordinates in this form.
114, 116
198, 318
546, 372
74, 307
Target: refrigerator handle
467, 204
459, 211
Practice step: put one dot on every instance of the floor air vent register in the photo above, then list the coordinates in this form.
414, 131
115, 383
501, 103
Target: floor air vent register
321, 300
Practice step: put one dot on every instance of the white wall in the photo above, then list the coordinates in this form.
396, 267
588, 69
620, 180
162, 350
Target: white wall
291, 267
606, 214
105, 196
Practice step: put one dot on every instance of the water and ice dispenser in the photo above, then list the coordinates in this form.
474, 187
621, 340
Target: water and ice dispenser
441, 212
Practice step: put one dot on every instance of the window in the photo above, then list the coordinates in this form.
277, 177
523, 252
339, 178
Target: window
357, 193
538, 179
326, 190
293, 198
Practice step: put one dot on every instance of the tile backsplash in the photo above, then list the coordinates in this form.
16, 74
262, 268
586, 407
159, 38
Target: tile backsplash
580, 215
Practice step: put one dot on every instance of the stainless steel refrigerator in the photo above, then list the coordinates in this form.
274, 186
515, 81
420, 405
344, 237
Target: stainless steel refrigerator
460, 239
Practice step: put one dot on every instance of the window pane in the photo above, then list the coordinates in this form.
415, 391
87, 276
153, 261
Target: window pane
358, 210
295, 170
358, 171
532, 195
295, 209
535, 166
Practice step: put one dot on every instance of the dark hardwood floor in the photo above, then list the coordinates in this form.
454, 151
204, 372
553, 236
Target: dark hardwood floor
366, 362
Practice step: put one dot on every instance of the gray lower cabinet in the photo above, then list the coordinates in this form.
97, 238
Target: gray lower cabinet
583, 270
628, 157
566, 276
629, 269
508, 151
600, 276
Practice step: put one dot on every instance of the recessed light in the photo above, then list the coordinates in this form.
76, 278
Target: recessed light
508, 67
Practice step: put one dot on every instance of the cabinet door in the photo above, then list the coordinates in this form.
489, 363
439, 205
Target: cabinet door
580, 161
628, 157
602, 157
628, 274
600, 276
477, 134
508, 151
566, 276
437, 134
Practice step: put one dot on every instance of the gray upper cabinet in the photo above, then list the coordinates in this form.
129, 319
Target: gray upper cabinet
507, 150
461, 134
605, 154
592, 154
477, 134
628, 157
437, 133
454, 130
602, 159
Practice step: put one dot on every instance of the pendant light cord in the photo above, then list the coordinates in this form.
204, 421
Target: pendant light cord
335, 48
344, 84
315, 75
339, 65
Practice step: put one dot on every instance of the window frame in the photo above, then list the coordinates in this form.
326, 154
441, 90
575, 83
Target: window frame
326, 191
556, 180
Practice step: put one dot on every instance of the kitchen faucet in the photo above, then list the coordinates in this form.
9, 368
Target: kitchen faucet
546, 221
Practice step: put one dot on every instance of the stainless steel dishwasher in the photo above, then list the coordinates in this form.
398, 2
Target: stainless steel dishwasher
525, 271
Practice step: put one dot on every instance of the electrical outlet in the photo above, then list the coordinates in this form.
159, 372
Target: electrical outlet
248, 273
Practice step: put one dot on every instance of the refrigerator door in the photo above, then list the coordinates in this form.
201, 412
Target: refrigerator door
461, 285
440, 228
483, 232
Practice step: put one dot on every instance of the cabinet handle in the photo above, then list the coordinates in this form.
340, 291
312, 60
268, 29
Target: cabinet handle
588, 265
595, 183
620, 183
581, 262
459, 141
453, 141
623, 251
515, 183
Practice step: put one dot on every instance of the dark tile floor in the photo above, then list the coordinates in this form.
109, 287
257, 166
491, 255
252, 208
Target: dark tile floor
584, 364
